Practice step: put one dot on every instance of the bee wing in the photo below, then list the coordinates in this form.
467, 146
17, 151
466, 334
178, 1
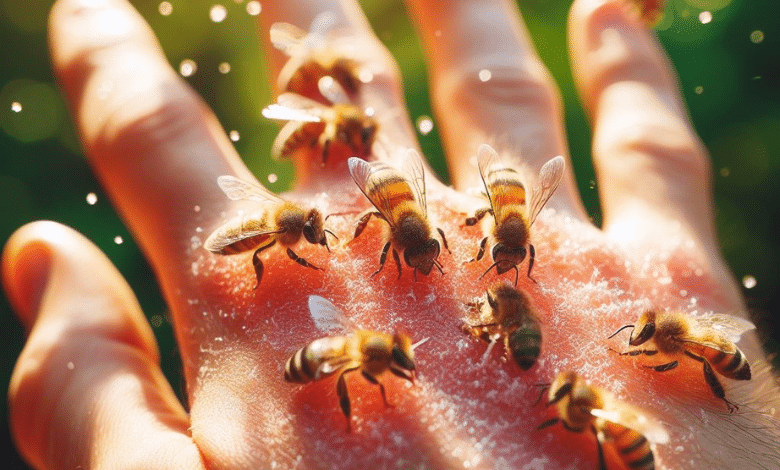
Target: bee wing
731, 326
549, 177
327, 317
330, 366
361, 172
633, 418
287, 38
239, 190
284, 113
287, 132
220, 239
413, 167
332, 90
487, 158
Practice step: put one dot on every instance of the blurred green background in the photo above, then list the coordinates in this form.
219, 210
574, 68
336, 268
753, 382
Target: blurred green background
727, 54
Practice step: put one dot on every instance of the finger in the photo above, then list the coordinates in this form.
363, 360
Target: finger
153, 143
489, 86
88, 379
653, 172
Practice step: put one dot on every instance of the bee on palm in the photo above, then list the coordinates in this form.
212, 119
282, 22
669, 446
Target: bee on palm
581, 407
278, 221
513, 218
315, 54
399, 200
339, 128
510, 317
708, 340
353, 350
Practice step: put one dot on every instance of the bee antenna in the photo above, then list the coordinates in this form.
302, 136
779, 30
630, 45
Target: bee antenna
541, 393
438, 266
331, 234
419, 343
619, 330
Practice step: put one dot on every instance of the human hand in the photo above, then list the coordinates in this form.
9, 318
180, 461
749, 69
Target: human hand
88, 380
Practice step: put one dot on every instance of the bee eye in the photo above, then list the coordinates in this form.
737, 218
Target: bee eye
400, 358
367, 134
644, 334
308, 233
492, 302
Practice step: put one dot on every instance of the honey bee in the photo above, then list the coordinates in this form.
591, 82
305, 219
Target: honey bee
513, 219
400, 201
370, 352
313, 56
512, 318
582, 407
708, 340
279, 221
341, 128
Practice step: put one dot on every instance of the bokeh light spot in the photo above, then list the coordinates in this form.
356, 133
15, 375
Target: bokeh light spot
749, 282
273, 178
188, 67
424, 125
253, 8
705, 17
118, 240
485, 75
218, 13
224, 67
92, 199
165, 8
234, 136
43, 115
16, 107
757, 37
699, 90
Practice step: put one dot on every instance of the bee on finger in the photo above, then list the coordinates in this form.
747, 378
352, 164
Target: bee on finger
709, 340
279, 222
511, 318
581, 407
369, 352
340, 128
313, 55
513, 218
399, 200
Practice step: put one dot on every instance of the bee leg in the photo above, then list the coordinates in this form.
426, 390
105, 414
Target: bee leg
548, 423
343, 394
532, 256
382, 258
325, 151
444, 239
361, 225
403, 374
560, 393
481, 251
599, 443
716, 387
478, 215
398, 264
258, 263
639, 352
374, 381
300, 260
663, 367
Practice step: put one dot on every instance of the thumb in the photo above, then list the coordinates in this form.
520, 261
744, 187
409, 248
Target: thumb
87, 390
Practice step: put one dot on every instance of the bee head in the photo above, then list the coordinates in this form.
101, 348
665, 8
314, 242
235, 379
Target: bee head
506, 257
644, 329
403, 351
313, 228
423, 256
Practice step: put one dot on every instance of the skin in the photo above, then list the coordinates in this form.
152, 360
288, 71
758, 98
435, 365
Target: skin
87, 391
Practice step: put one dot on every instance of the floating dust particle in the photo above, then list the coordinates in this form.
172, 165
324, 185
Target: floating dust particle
16, 107
196, 209
91, 199
424, 125
705, 17
235, 136
699, 90
724, 172
485, 75
253, 8
224, 67
118, 240
273, 178
218, 13
756, 36
187, 67
749, 282
165, 8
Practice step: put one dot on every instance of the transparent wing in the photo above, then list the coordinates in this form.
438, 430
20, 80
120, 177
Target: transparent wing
284, 113
287, 132
327, 317
549, 178
287, 38
361, 172
731, 326
332, 90
330, 366
226, 235
413, 167
239, 190
487, 158
633, 418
